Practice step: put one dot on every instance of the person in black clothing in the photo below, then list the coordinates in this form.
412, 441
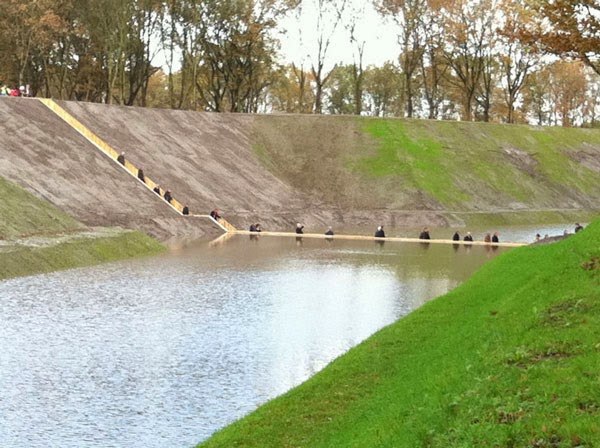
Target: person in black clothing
121, 158
496, 238
186, 210
252, 227
299, 229
215, 214
456, 236
258, 228
468, 237
425, 234
141, 175
379, 233
329, 232
156, 189
578, 227
168, 196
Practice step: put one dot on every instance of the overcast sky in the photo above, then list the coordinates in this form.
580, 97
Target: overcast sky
300, 39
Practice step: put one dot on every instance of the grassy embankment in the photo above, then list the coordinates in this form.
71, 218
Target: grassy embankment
483, 174
509, 358
36, 237
463, 166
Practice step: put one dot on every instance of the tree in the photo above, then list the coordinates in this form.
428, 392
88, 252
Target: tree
469, 29
341, 90
407, 14
383, 87
566, 28
516, 59
568, 86
433, 68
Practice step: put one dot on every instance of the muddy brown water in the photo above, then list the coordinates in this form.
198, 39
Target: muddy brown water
164, 351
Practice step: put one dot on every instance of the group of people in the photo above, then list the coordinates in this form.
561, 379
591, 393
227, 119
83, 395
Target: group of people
489, 238
255, 227
24, 91
300, 230
165, 194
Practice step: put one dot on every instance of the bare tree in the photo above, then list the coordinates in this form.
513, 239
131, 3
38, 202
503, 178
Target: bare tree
407, 15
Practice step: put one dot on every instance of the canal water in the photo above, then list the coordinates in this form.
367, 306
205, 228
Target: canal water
162, 352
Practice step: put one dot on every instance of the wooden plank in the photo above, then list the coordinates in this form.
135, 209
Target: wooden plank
372, 238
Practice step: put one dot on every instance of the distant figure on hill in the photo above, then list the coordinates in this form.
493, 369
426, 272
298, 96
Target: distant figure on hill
15, 92
496, 238
141, 175
156, 189
578, 227
299, 229
456, 236
379, 233
252, 227
258, 227
468, 237
215, 214
186, 210
488, 238
424, 235
538, 237
168, 196
329, 231
121, 158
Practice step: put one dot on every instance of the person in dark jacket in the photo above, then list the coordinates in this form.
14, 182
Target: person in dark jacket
121, 158
156, 189
141, 175
456, 236
186, 210
215, 214
496, 237
468, 237
299, 229
168, 196
425, 234
379, 233
252, 227
578, 227
329, 231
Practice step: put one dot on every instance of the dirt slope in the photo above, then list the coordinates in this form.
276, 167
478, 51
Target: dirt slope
42, 154
277, 170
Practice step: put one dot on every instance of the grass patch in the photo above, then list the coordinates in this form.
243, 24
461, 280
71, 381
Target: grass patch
23, 214
527, 217
508, 359
76, 253
417, 161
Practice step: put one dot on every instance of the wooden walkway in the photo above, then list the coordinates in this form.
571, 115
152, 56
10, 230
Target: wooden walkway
372, 238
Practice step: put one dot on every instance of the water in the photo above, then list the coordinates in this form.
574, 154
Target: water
162, 352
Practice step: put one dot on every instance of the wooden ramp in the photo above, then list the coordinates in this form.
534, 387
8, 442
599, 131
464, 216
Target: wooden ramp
372, 238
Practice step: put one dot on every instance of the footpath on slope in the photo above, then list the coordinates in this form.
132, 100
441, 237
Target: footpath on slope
126, 164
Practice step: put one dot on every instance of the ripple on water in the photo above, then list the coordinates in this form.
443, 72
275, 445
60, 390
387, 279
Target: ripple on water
164, 351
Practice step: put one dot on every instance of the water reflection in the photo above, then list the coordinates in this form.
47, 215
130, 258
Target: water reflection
164, 351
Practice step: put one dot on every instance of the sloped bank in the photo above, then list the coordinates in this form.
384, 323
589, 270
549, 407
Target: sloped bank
35, 237
509, 358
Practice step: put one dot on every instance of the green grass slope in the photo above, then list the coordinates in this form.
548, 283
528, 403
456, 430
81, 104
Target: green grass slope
371, 163
510, 358
21, 261
23, 215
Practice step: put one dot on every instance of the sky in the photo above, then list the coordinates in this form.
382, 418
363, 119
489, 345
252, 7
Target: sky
299, 42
